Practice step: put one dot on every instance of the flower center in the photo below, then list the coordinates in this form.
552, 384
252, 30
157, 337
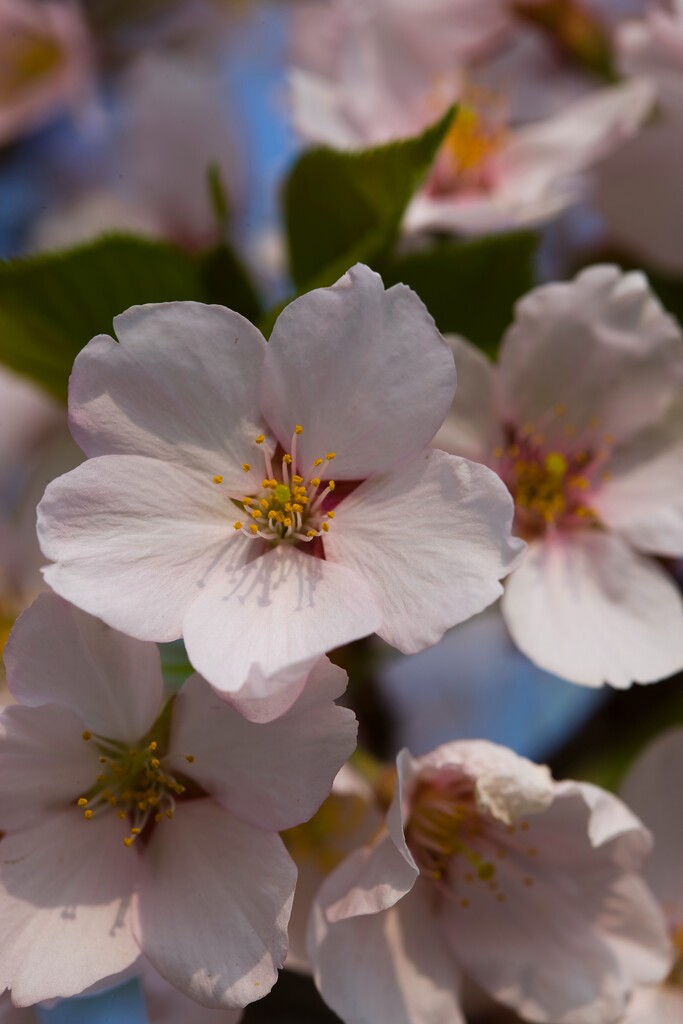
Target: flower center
458, 846
284, 505
552, 486
133, 783
25, 59
473, 139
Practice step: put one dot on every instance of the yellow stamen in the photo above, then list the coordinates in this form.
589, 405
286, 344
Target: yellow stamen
218, 479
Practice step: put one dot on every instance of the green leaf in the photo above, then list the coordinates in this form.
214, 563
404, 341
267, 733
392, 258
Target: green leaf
51, 305
341, 208
227, 283
470, 287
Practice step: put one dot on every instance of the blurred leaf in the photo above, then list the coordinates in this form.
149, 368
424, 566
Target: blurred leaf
53, 304
220, 201
227, 283
341, 208
469, 287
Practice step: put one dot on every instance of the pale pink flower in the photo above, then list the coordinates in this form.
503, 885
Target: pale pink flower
363, 81
45, 63
489, 867
583, 419
135, 825
651, 789
350, 817
270, 502
638, 189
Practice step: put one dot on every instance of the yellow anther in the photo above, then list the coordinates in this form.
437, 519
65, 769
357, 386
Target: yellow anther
315, 481
86, 735
298, 429
498, 452
158, 817
153, 745
260, 438
287, 522
296, 508
311, 533
218, 479
264, 503
331, 484
247, 501
189, 758
513, 451
246, 467
582, 482
121, 815
556, 464
88, 814
256, 513
238, 526
325, 527
135, 831
330, 515
330, 456
253, 528
169, 814
128, 841
82, 802
318, 462
287, 459
155, 762
297, 479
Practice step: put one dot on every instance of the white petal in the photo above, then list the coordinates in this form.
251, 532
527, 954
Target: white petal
651, 791
44, 762
214, 903
135, 539
391, 966
274, 775
588, 608
57, 654
363, 370
471, 428
568, 928
655, 1004
167, 1005
602, 346
276, 616
65, 890
643, 497
182, 385
432, 539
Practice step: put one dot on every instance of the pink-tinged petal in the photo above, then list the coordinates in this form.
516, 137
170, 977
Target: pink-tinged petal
44, 762
568, 928
601, 346
642, 499
65, 893
182, 385
274, 775
659, 1004
214, 902
432, 540
540, 158
135, 540
651, 790
363, 370
391, 966
168, 1005
377, 877
471, 427
276, 614
57, 654
587, 607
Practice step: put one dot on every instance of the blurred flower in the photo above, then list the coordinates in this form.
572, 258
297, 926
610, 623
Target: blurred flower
368, 76
220, 464
651, 789
638, 189
486, 865
45, 63
111, 799
583, 420
349, 818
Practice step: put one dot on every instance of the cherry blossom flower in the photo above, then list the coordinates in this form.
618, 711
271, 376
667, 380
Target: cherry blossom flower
135, 825
583, 419
45, 62
651, 790
489, 867
271, 502
649, 221
364, 77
